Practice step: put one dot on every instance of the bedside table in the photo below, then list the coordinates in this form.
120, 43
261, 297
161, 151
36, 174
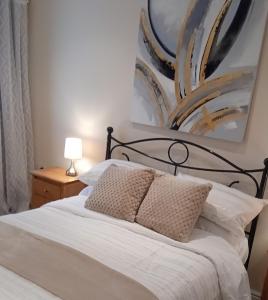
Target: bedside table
52, 184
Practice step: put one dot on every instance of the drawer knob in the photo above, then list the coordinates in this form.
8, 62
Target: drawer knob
45, 191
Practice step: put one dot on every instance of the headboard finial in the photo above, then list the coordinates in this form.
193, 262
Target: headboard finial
108, 143
110, 130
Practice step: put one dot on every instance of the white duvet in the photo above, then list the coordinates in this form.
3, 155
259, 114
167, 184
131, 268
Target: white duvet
206, 268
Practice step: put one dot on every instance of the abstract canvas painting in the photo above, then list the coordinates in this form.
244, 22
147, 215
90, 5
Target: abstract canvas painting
196, 65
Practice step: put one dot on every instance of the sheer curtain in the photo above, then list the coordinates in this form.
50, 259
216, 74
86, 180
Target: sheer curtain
16, 150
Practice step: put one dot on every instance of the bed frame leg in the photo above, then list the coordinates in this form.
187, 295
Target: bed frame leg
260, 195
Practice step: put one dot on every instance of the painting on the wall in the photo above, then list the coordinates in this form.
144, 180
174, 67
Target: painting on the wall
196, 65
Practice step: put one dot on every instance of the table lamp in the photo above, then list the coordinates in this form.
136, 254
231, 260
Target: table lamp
72, 151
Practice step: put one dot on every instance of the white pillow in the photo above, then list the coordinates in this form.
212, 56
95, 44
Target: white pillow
86, 191
228, 207
236, 238
92, 176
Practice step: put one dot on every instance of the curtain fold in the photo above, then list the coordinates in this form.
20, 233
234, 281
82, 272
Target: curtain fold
22, 1
16, 148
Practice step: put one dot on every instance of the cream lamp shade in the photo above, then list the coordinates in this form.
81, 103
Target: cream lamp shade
73, 148
72, 151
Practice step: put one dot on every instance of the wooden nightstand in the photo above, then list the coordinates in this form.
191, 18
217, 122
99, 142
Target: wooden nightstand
52, 184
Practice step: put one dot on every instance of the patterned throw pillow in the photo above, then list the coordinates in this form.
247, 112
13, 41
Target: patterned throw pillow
172, 207
120, 191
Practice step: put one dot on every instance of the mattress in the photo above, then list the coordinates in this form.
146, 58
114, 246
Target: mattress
206, 268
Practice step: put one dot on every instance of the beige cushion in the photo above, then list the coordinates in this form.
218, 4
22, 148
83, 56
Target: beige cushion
120, 191
172, 207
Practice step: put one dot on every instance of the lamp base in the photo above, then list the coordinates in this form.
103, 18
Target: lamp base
71, 171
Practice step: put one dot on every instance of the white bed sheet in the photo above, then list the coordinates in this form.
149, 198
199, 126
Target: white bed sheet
206, 268
241, 246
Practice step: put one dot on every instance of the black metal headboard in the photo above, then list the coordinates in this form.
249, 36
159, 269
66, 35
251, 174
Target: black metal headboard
113, 143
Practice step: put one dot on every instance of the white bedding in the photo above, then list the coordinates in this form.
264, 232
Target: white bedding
206, 268
240, 244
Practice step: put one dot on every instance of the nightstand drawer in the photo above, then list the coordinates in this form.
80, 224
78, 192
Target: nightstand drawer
38, 201
46, 189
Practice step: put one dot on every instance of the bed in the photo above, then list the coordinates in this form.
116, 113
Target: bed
206, 268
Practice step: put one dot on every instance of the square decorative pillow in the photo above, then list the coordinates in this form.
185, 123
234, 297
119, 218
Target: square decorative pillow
120, 191
172, 207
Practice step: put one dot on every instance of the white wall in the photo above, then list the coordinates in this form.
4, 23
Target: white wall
82, 56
